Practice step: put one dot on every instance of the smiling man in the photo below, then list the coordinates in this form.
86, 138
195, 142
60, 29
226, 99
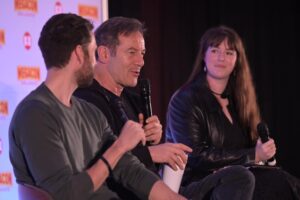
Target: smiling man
120, 51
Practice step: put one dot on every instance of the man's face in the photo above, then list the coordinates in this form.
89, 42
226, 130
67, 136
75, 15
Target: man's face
86, 72
126, 64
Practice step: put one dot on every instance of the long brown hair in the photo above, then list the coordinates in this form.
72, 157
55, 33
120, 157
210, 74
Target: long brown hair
241, 82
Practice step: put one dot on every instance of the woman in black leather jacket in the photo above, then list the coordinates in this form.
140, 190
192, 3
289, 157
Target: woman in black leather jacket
216, 114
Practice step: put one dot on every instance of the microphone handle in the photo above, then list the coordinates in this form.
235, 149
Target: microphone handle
117, 105
147, 112
146, 100
271, 161
148, 107
263, 132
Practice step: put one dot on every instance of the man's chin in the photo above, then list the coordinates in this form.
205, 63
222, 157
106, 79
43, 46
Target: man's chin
133, 84
85, 83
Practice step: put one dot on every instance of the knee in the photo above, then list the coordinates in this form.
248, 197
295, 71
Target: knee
243, 173
238, 183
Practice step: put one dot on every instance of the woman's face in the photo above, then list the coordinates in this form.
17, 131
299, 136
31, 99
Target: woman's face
220, 61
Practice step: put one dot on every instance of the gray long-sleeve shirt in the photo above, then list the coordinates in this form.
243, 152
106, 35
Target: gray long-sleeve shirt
52, 145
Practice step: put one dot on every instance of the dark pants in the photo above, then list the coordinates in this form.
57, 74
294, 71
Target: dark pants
234, 183
275, 184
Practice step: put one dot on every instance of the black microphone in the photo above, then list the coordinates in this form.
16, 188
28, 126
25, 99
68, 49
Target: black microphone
146, 97
118, 106
263, 132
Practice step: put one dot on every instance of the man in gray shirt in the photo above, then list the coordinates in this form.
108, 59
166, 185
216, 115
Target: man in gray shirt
64, 145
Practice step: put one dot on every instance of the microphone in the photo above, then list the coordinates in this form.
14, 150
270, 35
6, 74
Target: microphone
118, 106
146, 97
263, 132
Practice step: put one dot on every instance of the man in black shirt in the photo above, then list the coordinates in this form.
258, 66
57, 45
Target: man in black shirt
120, 52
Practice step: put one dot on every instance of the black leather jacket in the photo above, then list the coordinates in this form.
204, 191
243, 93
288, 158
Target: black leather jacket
195, 118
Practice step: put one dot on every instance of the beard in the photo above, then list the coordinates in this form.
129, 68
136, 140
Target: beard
85, 75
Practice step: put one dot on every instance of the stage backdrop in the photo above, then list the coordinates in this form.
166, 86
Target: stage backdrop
21, 64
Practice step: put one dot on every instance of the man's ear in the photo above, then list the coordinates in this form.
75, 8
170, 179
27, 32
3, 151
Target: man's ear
78, 54
103, 54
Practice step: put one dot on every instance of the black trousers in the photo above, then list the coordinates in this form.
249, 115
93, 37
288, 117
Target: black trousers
230, 183
275, 184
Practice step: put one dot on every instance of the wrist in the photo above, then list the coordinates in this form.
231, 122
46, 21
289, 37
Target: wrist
118, 147
152, 152
109, 168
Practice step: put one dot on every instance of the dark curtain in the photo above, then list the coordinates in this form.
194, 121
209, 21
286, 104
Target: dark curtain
270, 33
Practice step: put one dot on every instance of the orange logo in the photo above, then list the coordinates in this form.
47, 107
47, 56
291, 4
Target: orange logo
26, 5
88, 11
2, 37
28, 73
3, 108
6, 178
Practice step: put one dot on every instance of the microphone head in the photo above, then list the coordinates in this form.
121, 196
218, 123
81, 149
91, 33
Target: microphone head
263, 131
145, 87
262, 128
146, 97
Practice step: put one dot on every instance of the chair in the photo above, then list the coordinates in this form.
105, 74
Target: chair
30, 192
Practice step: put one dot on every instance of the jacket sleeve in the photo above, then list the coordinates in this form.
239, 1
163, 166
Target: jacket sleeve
187, 123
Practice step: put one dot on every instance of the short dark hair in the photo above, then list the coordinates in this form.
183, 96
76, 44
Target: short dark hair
60, 35
108, 32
